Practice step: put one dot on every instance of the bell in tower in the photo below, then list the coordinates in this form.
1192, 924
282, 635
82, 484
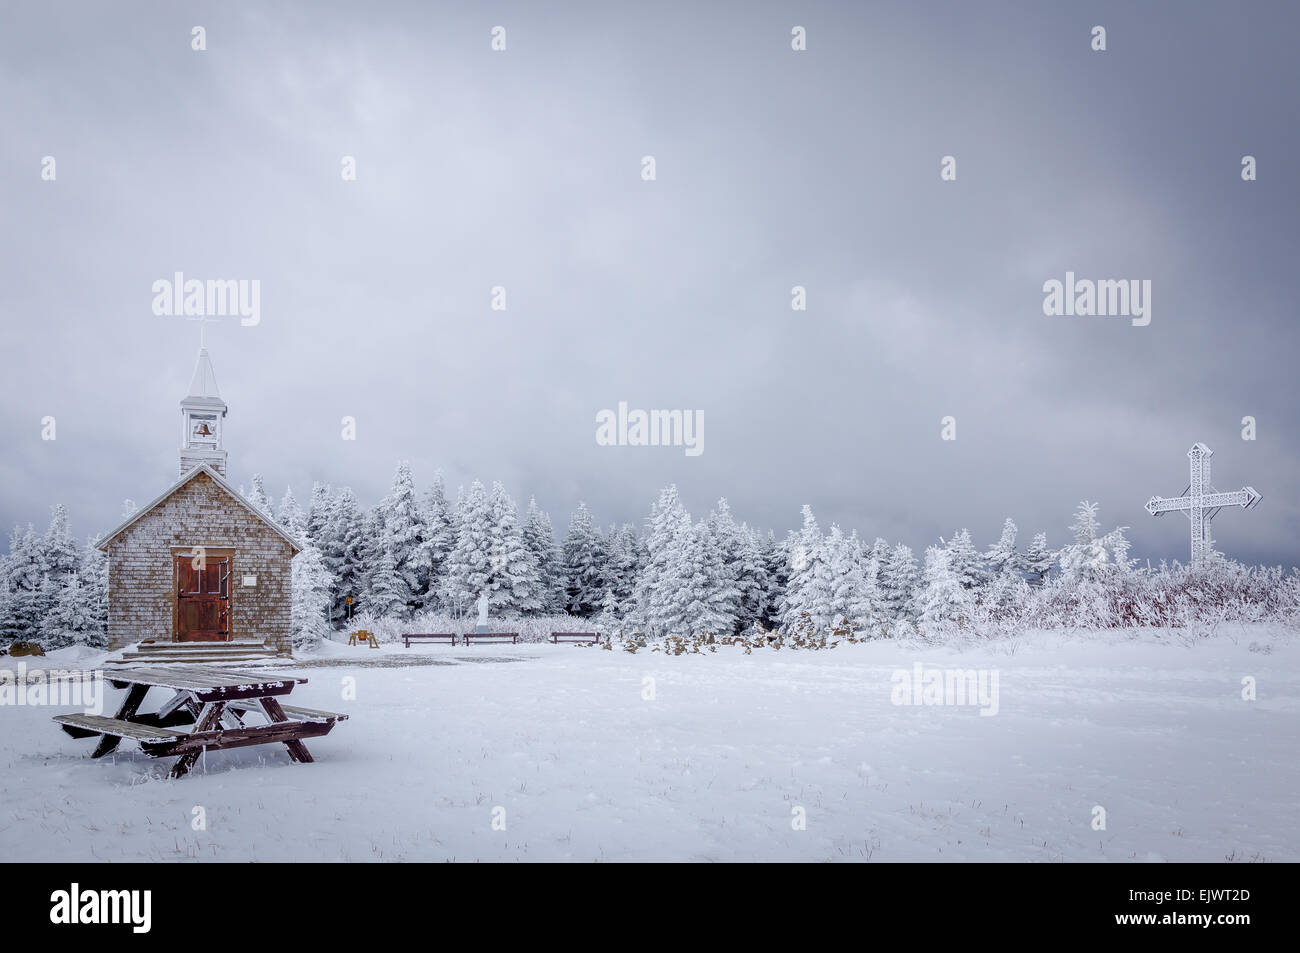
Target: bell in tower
202, 413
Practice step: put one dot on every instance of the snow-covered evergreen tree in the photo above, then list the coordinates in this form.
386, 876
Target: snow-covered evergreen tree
1002, 556
851, 597
94, 580
439, 538
388, 595
259, 498
662, 527
622, 563
515, 578
290, 515
753, 582
319, 516
69, 621
808, 588
59, 554
312, 597
335, 527
539, 538
1091, 556
965, 562
898, 582
584, 564
730, 544
1039, 559
943, 597
697, 594
24, 576
400, 520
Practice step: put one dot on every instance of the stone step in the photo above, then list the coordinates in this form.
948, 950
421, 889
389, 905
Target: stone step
245, 645
154, 652
156, 659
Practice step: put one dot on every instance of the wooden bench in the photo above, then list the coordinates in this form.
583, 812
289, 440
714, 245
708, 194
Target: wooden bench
294, 712
592, 637
87, 726
492, 637
429, 637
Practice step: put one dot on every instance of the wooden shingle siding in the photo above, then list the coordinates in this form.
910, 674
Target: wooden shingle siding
141, 569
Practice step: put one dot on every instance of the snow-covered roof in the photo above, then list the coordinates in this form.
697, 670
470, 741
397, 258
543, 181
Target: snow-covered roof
186, 478
204, 382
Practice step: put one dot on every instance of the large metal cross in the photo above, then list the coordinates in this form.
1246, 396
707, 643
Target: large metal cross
1201, 501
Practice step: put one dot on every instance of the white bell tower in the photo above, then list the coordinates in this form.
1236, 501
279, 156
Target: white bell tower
202, 414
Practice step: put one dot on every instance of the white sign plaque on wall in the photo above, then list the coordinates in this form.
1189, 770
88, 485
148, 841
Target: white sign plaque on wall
250, 581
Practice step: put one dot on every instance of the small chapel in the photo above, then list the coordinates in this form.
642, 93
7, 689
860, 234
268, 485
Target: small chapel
200, 573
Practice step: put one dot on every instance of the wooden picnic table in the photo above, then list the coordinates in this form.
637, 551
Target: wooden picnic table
213, 702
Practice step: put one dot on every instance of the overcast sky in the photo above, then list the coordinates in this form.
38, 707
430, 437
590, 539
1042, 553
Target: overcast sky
774, 168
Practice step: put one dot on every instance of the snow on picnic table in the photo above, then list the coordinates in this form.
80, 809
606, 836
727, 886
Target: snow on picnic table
585, 768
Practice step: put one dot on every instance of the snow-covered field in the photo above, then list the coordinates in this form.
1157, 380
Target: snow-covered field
564, 744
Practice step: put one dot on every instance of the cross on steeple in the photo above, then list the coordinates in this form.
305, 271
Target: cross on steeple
1201, 501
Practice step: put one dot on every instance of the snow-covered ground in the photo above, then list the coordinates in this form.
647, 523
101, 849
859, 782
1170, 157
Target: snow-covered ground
582, 761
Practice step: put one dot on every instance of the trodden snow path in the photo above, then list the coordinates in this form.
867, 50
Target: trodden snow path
564, 748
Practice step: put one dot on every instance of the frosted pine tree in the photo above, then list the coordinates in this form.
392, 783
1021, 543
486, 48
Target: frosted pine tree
439, 537
584, 564
539, 538
965, 561
319, 515
94, 579
400, 519
850, 601
695, 597
469, 563
808, 588
59, 554
311, 598
290, 515
622, 563
1005, 565
67, 620
753, 582
342, 546
388, 596
1039, 559
1092, 556
1002, 556
24, 576
515, 577
729, 542
258, 497
662, 527
778, 556
943, 598
898, 582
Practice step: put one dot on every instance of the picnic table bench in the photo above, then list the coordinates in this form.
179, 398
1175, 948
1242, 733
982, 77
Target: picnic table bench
213, 702
491, 637
592, 637
429, 637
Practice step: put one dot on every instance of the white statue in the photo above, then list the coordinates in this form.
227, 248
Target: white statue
482, 609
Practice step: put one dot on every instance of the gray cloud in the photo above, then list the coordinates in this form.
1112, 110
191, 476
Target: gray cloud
774, 169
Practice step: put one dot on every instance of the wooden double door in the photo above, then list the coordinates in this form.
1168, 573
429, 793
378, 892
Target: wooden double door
202, 598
